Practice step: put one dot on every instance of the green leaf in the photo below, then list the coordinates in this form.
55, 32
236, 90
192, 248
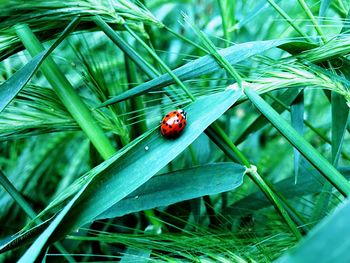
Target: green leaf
287, 98
297, 120
120, 175
198, 67
340, 114
327, 242
11, 87
324, 6
310, 182
299, 142
162, 190
34, 250
170, 188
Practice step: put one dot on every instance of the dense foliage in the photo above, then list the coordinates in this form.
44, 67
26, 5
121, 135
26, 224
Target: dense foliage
260, 173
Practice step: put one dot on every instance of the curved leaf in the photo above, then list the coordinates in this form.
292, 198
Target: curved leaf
122, 174
327, 242
170, 188
203, 65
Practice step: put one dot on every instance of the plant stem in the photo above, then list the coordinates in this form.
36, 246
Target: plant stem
313, 20
289, 20
157, 58
67, 94
255, 177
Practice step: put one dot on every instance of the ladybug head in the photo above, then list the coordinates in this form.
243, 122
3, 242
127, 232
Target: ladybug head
182, 112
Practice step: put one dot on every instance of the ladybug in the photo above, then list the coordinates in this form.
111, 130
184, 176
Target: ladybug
173, 124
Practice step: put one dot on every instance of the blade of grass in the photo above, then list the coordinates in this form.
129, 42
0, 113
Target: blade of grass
116, 178
289, 20
11, 87
4, 181
198, 67
310, 182
146, 67
67, 94
251, 169
313, 20
34, 250
297, 121
181, 185
298, 142
327, 242
323, 8
340, 114
287, 97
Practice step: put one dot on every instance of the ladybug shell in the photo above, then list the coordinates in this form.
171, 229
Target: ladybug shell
173, 124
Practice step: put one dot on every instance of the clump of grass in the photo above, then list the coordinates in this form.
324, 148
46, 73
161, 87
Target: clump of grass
51, 162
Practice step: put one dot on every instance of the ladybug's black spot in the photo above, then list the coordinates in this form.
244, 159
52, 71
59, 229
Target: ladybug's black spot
180, 125
166, 124
170, 126
178, 115
174, 112
164, 130
163, 122
167, 115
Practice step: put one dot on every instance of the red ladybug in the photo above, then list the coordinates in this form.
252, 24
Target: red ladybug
173, 124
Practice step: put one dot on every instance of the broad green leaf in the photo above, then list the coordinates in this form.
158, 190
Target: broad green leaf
300, 143
198, 67
122, 174
162, 190
297, 120
11, 87
327, 242
133, 255
170, 188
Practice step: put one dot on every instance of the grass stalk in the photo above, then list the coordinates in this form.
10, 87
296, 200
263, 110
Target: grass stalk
157, 58
313, 20
19, 199
289, 20
67, 94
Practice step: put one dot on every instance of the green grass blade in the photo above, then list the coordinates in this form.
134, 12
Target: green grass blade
162, 190
323, 8
5, 182
340, 114
138, 60
198, 67
11, 87
310, 182
129, 172
297, 120
34, 250
299, 143
287, 97
170, 188
121, 175
68, 95
327, 242
23, 238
